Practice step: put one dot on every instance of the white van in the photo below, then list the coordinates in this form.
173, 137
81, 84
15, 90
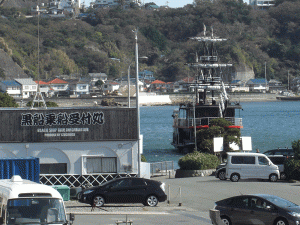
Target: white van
27, 202
250, 165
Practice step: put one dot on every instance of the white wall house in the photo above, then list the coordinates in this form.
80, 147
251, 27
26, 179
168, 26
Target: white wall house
97, 76
11, 87
58, 85
110, 3
111, 86
78, 87
28, 87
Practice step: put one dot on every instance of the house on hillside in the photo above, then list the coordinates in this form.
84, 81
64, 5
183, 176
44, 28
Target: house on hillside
275, 85
28, 87
238, 86
97, 76
158, 86
146, 75
78, 87
111, 86
262, 4
58, 86
258, 85
45, 89
183, 85
113, 3
11, 87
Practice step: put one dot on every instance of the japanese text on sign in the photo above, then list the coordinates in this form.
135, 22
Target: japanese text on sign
54, 119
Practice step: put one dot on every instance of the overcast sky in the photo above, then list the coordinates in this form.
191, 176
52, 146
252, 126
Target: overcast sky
170, 3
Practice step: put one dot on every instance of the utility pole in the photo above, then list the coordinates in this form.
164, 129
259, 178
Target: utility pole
137, 98
288, 80
266, 75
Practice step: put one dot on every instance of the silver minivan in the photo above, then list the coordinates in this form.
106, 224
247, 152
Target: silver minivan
250, 166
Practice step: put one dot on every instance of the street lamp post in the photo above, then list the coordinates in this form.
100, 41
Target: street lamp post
129, 86
137, 99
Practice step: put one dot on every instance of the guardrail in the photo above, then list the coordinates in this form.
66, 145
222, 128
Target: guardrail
161, 168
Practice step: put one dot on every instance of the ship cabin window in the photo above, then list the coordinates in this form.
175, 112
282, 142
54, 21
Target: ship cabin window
182, 113
53, 168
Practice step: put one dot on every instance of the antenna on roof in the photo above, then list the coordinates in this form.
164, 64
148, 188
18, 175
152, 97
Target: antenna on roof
38, 98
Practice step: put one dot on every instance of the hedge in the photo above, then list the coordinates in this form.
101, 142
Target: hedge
198, 161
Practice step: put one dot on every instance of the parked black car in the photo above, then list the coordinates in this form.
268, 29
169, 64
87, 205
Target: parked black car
125, 190
258, 209
280, 151
279, 160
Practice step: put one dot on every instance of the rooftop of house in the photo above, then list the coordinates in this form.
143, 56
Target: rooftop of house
57, 81
10, 83
25, 81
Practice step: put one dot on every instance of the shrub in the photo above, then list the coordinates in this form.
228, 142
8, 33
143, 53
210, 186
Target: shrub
292, 168
198, 161
143, 158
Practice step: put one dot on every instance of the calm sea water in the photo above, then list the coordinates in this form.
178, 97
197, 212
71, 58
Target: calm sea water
270, 124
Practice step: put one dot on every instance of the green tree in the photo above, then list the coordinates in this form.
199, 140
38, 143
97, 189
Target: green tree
99, 83
7, 101
218, 128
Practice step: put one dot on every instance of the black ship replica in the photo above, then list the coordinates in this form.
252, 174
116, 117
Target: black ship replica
210, 101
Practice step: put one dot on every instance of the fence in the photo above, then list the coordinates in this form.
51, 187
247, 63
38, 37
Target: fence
161, 168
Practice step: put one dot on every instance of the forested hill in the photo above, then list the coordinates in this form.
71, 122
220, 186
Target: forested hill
74, 46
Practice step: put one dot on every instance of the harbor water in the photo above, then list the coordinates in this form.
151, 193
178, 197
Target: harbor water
271, 125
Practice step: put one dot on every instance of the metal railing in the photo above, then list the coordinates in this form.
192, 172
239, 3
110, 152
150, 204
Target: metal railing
204, 121
161, 168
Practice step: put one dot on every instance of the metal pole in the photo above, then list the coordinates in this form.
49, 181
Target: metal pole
195, 128
137, 99
288, 80
129, 86
266, 74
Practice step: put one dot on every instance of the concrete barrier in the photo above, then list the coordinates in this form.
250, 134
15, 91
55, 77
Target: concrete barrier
215, 217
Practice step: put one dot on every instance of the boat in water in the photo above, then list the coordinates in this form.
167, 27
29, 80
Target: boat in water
210, 100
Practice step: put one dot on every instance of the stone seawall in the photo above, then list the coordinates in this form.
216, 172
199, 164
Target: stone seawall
175, 100
240, 97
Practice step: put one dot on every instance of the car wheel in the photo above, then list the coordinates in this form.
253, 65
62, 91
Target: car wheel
283, 176
273, 178
225, 220
151, 200
281, 221
98, 201
222, 175
234, 177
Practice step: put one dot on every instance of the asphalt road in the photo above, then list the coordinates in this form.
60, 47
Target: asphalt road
198, 195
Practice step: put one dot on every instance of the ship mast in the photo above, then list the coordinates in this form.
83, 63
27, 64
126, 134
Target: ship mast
209, 76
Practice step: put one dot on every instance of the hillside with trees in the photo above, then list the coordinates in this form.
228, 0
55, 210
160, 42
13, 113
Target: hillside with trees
79, 47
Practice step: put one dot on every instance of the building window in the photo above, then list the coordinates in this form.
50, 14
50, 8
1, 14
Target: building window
97, 164
53, 168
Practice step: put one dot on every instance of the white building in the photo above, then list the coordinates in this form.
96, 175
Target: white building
74, 145
78, 87
28, 87
262, 4
58, 85
11, 87
110, 3
111, 86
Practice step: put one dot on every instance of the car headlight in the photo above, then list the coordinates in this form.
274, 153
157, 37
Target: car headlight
294, 214
87, 192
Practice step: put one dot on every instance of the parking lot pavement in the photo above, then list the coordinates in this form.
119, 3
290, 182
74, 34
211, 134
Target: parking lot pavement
198, 195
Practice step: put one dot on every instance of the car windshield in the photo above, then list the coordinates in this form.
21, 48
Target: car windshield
35, 211
280, 201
